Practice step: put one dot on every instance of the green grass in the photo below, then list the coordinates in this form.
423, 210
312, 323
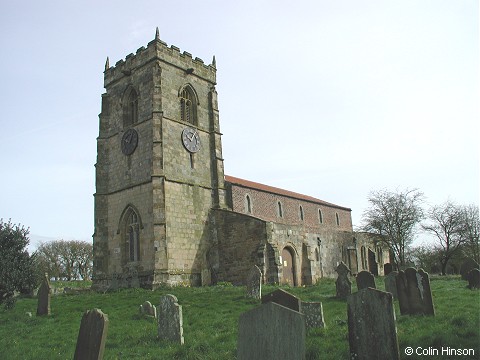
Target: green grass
210, 316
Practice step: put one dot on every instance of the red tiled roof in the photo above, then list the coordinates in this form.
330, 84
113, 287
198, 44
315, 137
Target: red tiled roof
278, 191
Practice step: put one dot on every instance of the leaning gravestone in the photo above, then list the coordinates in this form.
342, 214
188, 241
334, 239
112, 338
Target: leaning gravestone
313, 312
365, 279
271, 332
343, 284
92, 336
170, 319
414, 293
391, 284
43, 305
473, 278
148, 309
254, 283
387, 269
467, 265
283, 298
372, 333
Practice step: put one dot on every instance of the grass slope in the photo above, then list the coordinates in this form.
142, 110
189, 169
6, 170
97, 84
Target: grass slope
210, 316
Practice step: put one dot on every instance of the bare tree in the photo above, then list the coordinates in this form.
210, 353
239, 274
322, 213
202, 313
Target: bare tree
446, 222
471, 231
394, 216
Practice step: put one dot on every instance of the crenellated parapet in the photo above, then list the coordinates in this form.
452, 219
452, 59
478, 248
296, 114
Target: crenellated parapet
159, 50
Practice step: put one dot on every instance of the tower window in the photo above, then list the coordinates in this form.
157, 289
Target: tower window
248, 204
320, 216
132, 240
131, 109
337, 219
187, 105
300, 212
279, 209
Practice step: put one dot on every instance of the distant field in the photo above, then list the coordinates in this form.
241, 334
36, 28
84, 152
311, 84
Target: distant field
210, 316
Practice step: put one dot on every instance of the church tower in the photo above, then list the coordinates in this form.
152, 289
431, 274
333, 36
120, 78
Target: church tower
159, 170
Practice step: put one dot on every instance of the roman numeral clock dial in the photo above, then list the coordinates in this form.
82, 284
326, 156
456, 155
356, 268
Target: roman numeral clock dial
191, 139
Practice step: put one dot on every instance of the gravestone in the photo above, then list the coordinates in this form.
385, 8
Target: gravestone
387, 269
391, 284
365, 279
414, 293
283, 298
313, 312
271, 332
254, 283
206, 277
473, 278
148, 309
372, 333
467, 265
343, 284
114, 283
134, 281
43, 305
170, 319
92, 335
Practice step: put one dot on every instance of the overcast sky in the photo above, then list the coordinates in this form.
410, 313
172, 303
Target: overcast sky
330, 98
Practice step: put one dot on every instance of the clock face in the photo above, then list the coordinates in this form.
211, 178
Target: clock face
191, 139
129, 141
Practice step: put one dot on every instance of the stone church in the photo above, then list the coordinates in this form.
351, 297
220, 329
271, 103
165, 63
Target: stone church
165, 212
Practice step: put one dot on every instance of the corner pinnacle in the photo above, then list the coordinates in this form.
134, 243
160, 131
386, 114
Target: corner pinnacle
107, 64
157, 34
214, 62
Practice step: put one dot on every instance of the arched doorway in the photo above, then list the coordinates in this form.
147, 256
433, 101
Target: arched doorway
288, 266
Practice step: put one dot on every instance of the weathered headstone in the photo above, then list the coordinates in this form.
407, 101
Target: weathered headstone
343, 284
473, 278
271, 332
254, 283
43, 305
170, 319
206, 277
365, 279
92, 336
391, 284
283, 298
387, 269
372, 332
414, 293
467, 265
313, 312
148, 309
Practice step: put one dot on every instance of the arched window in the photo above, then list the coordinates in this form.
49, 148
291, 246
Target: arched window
132, 240
188, 105
131, 108
337, 219
248, 204
320, 216
279, 209
300, 212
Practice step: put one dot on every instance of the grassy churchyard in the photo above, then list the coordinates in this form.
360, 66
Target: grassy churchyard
210, 323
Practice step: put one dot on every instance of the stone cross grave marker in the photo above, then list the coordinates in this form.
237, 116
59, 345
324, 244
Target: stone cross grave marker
343, 284
365, 279
372, 333
467, 265
391, 284
43, 295
92, 336
254, 283
283, 298
414, 293
313, 312
148, 309
473, 278
170, 319
271, 332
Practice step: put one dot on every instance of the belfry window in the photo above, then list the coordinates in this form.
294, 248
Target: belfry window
131, 109
248, 204
279, 209
188, 106
337, 219
320, 216
300, 212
